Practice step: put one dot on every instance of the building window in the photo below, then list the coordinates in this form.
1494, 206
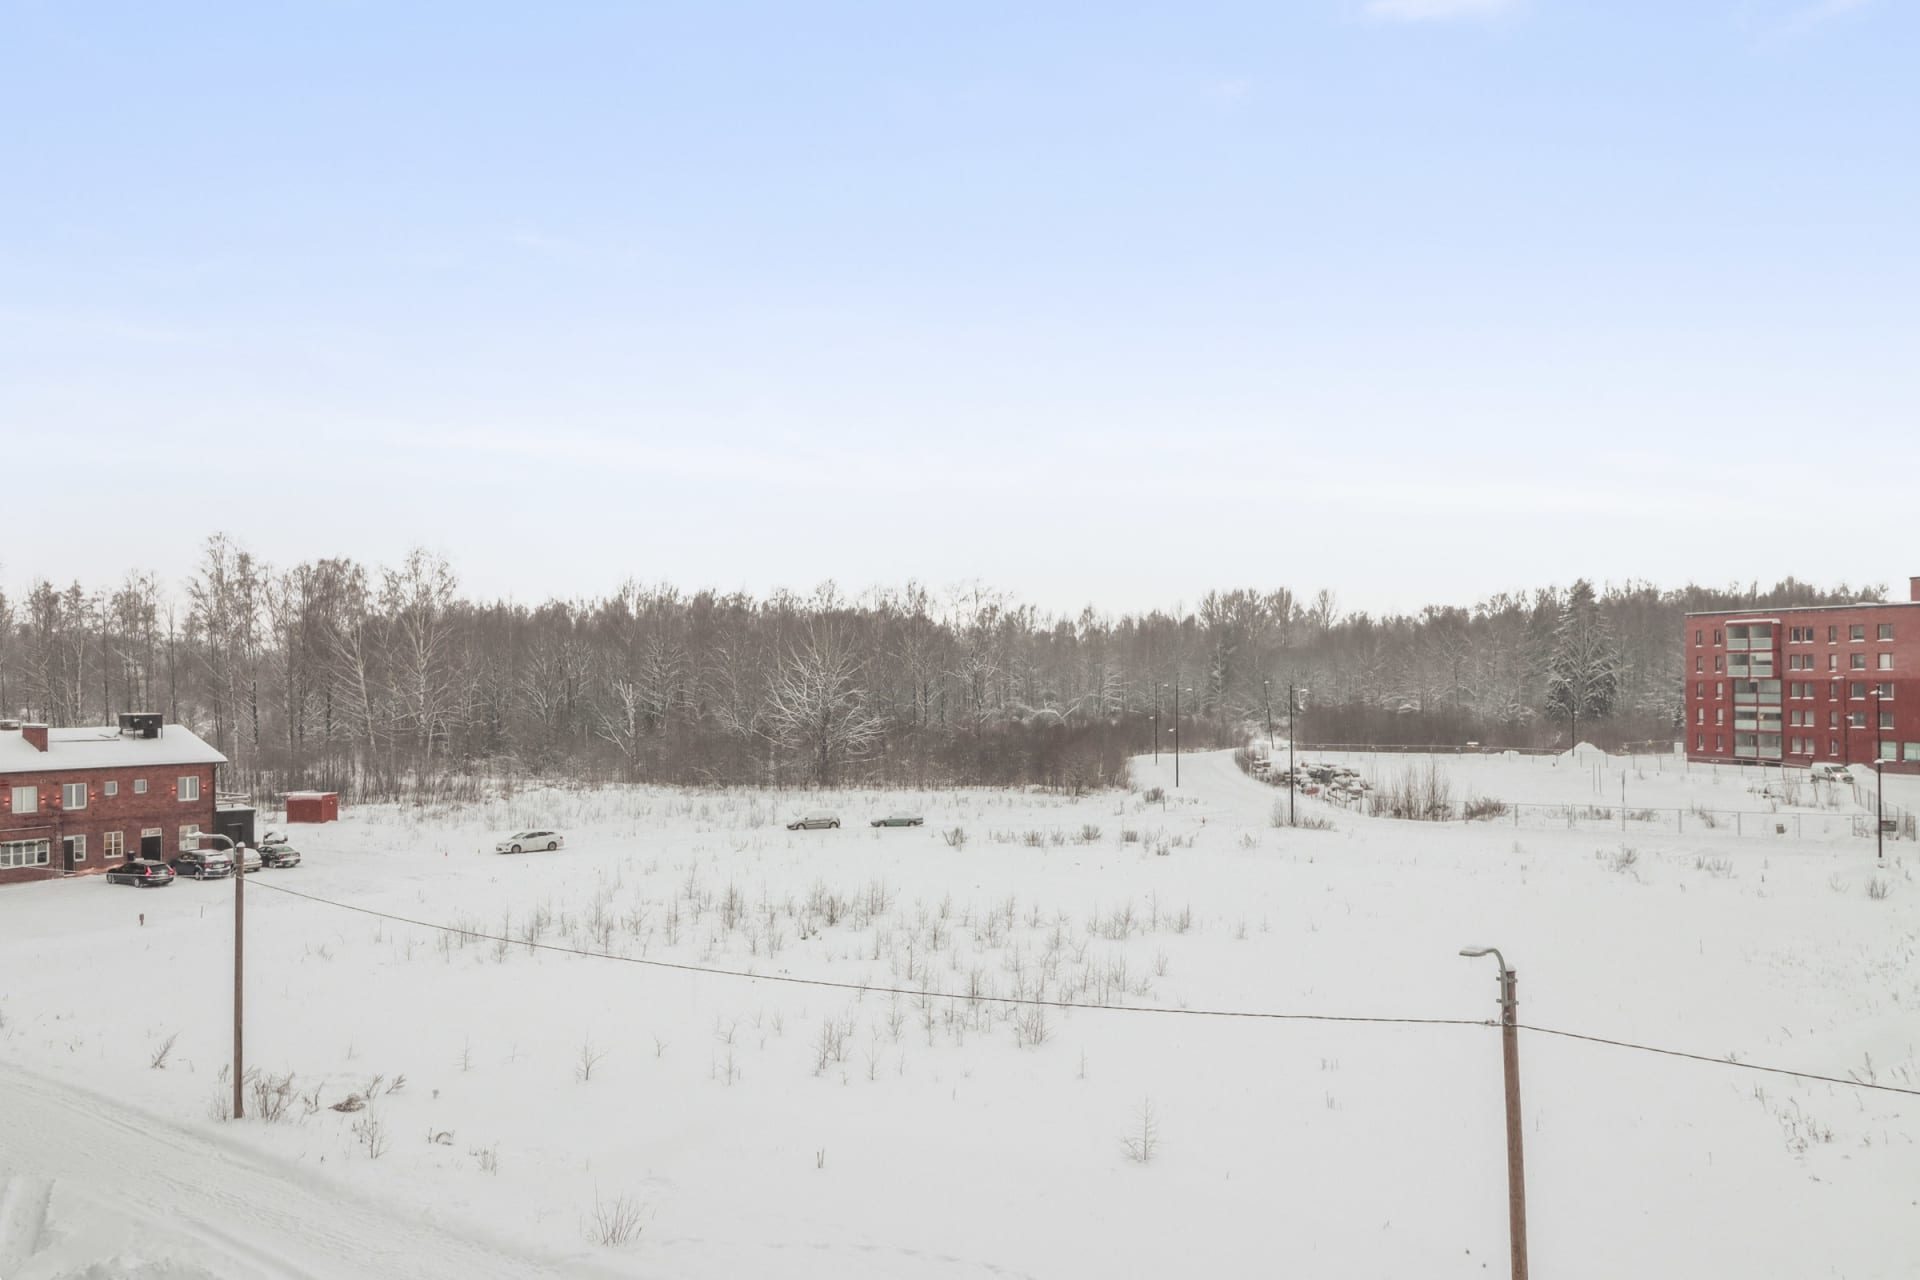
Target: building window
113, 844
139, 786
1856, 719
190, 788
1913, 753
189, 836
1699, 688
1700, 716
1856, 662
1886, 719
110, 788
26, 799
1833, 746
1719, 688
1886, 662
79, 848
1720, 715
1833, 635
1886, 631
1858, 689
1889, 752
1699, 665
1833, 719
1696, 639
1884, 690
1700, 742
1719, 742
25, 853
1857, 632
73, 795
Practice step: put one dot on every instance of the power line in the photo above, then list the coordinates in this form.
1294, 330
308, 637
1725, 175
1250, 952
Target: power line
1033, 1001
865, 988
1721, 1062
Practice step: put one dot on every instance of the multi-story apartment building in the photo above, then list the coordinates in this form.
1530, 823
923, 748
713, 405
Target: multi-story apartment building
1801, 686
79, 800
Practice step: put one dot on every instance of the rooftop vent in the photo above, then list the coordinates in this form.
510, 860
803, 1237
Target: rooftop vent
140, 724
13, 725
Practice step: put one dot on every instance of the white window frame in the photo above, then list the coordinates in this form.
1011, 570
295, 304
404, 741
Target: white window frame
139, 786
68, 790
16, 854
187, 788
79, 847
110, 788
113, 844
31, 798
189, 831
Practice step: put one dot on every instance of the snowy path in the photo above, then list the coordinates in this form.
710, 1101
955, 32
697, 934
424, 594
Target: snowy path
89, 1187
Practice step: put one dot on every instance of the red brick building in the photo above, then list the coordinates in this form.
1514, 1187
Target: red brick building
74, 801
1806, 686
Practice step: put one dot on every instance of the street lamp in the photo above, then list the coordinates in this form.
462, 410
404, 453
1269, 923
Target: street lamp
1510, 1058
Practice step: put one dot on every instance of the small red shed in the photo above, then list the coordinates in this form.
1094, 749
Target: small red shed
313, 806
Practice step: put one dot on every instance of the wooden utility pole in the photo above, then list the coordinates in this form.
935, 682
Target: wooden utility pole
239, 969
1510, 1062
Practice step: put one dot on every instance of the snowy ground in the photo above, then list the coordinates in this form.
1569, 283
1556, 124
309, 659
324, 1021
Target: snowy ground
763, 1129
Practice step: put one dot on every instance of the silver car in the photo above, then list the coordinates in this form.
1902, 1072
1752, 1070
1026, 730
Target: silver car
815, 820
521, 841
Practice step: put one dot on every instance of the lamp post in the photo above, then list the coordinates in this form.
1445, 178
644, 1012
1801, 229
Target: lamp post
239, 962
1510, 1056
1879, 780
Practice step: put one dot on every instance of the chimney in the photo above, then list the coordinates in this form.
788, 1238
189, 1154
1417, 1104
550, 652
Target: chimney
1913, 589
36, 736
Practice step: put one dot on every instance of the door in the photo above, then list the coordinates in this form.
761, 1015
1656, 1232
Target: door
66, 854
150, 847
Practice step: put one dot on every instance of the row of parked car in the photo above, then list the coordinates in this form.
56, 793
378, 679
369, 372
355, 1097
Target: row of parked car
206, 864
827, 820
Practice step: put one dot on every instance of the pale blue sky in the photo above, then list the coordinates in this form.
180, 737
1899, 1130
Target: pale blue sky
1109, 303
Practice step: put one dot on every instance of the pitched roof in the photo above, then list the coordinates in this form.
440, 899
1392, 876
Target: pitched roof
102, 747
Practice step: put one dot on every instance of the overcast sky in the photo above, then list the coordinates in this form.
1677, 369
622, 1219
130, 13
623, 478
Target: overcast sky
1098, 302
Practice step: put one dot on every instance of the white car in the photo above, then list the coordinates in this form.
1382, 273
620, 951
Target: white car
1827, 771
521, 841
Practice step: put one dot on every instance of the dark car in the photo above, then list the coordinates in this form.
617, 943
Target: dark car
278, 853
204, 864
142, 872
818, 820
900, 818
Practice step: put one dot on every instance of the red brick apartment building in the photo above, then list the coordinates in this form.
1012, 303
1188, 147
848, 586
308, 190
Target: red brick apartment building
74, 801
1806, 686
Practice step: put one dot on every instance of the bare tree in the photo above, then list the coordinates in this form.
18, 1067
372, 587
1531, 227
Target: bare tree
816, 705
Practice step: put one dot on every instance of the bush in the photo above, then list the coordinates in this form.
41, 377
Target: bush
1479, 808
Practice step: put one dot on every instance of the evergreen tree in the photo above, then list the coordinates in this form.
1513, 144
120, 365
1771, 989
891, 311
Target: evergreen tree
1583, 674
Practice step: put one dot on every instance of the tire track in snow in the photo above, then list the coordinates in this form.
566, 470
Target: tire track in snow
266, 1218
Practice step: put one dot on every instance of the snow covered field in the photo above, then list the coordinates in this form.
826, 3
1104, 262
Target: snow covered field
766, 1129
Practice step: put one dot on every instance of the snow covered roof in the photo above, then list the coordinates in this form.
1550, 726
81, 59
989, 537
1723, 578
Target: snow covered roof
102, 747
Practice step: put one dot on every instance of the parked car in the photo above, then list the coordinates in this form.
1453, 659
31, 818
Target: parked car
203, 864
141, 872
817, 820
899, 818
276, 852
1827, 771
521, 841
251, 859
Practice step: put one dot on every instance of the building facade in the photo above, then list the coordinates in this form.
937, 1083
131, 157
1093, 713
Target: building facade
1836, 684
77, 801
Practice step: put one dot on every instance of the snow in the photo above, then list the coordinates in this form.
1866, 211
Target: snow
103, 747
961, 1148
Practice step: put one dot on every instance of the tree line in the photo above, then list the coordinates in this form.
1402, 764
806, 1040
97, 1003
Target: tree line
382, 681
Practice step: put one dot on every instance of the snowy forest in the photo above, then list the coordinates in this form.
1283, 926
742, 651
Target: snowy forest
387, 681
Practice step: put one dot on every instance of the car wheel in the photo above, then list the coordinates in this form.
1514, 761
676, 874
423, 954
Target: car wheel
552, 845
834, 825
516, 849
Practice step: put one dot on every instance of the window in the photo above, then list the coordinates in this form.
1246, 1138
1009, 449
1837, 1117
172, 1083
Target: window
1888, 751
1720, 716
1858, 689
1833, 719
1833, 635
25, 853
1856, 662
1719, 742
139, 786
1833, 688
1717, 639
1886, 719
79, 844
1886, 662
110, 788
189, 788
1699, 688
1857, 632
113, 844
1700, 715
73, 795
1719, 663
1696, 639
1886, 631
1700, 742
26, 799
1856, 719
1833, 662
189, 836
1719, 688
1884, 689
1699, 665
1913, 753
1833, 746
